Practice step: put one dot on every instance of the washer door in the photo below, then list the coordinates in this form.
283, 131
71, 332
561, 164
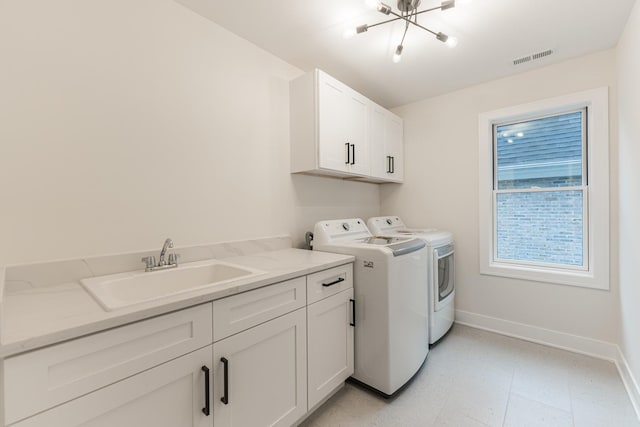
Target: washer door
443, 274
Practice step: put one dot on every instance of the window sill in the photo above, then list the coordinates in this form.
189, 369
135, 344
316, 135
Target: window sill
584, 279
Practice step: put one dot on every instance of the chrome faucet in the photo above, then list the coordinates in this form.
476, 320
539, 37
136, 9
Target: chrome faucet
167, 244
150, 261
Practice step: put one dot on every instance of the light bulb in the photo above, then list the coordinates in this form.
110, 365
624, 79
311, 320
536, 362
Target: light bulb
398, 55
447, 4
348, 33
373, 4
384, 8
451, 42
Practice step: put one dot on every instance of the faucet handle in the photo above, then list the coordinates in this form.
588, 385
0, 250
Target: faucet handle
173, 258
150, 261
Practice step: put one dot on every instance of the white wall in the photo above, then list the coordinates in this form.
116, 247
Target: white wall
629, 178
440, 190
124, 122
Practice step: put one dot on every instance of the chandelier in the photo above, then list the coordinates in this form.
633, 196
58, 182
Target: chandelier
407, 12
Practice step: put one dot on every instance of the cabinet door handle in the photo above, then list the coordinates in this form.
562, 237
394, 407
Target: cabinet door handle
353, 156
388, 164
348, 154
353, 312
338, 280
393, 164
225, 397
207, 408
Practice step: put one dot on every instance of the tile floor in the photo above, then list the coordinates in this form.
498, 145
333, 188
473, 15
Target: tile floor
474, 378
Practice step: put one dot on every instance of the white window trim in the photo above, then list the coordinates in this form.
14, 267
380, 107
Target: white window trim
597, 275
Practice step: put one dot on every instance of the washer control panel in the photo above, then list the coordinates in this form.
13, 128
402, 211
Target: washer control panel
340, 229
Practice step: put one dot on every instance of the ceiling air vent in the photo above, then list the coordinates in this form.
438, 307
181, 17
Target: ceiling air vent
533, 57
522, 60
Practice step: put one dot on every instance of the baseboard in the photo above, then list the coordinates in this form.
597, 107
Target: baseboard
574, 343
630, 383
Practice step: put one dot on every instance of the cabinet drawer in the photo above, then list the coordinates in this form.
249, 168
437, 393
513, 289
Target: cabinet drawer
45, 378
243, 311
329, 282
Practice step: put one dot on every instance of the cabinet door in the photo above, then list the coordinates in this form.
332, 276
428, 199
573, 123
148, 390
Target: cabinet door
378, 153
333, 147
386, 144
265, 374
342, 127
394, 146
356, 107
330, 338
168, 395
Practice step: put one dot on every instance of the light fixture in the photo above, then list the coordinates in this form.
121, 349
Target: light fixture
407, 12
398, 55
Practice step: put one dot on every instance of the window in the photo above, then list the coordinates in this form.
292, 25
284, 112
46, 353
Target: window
544, 191
539, 191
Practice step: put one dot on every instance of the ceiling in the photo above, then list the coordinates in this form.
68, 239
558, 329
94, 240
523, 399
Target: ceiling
492, 33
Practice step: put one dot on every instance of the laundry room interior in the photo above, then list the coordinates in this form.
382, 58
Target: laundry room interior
200, 124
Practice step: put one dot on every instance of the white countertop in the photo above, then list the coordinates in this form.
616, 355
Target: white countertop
41, 316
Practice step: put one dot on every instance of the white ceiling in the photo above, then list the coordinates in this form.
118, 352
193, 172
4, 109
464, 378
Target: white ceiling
491, 33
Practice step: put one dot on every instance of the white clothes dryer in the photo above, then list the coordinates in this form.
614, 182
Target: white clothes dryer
441, 283
390, 301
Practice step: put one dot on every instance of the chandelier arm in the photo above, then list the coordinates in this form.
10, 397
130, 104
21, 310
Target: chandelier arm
413, 23
406, 28
384, 22
429, 10
398, 17
404, 34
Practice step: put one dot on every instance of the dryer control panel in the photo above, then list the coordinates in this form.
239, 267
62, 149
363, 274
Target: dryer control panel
385, 224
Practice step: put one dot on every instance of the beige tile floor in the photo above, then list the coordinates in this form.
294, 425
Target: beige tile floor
477, 378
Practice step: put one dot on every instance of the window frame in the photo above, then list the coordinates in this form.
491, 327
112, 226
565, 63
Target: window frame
595, 186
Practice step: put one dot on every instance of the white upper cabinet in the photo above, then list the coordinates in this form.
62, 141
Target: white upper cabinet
331, 130
386, 138
342, 128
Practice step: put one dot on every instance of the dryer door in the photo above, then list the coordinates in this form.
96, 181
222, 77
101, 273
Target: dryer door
443, 273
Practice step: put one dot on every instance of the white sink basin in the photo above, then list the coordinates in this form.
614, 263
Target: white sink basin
124, 289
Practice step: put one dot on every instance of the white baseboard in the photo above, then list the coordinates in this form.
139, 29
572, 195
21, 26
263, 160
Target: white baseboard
630, 383
574, 343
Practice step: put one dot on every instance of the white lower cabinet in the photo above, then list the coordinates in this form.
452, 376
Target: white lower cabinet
330, 344
247, 360
260, 374
169, 395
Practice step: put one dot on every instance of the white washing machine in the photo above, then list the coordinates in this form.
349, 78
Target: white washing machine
390, 301
441, 281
